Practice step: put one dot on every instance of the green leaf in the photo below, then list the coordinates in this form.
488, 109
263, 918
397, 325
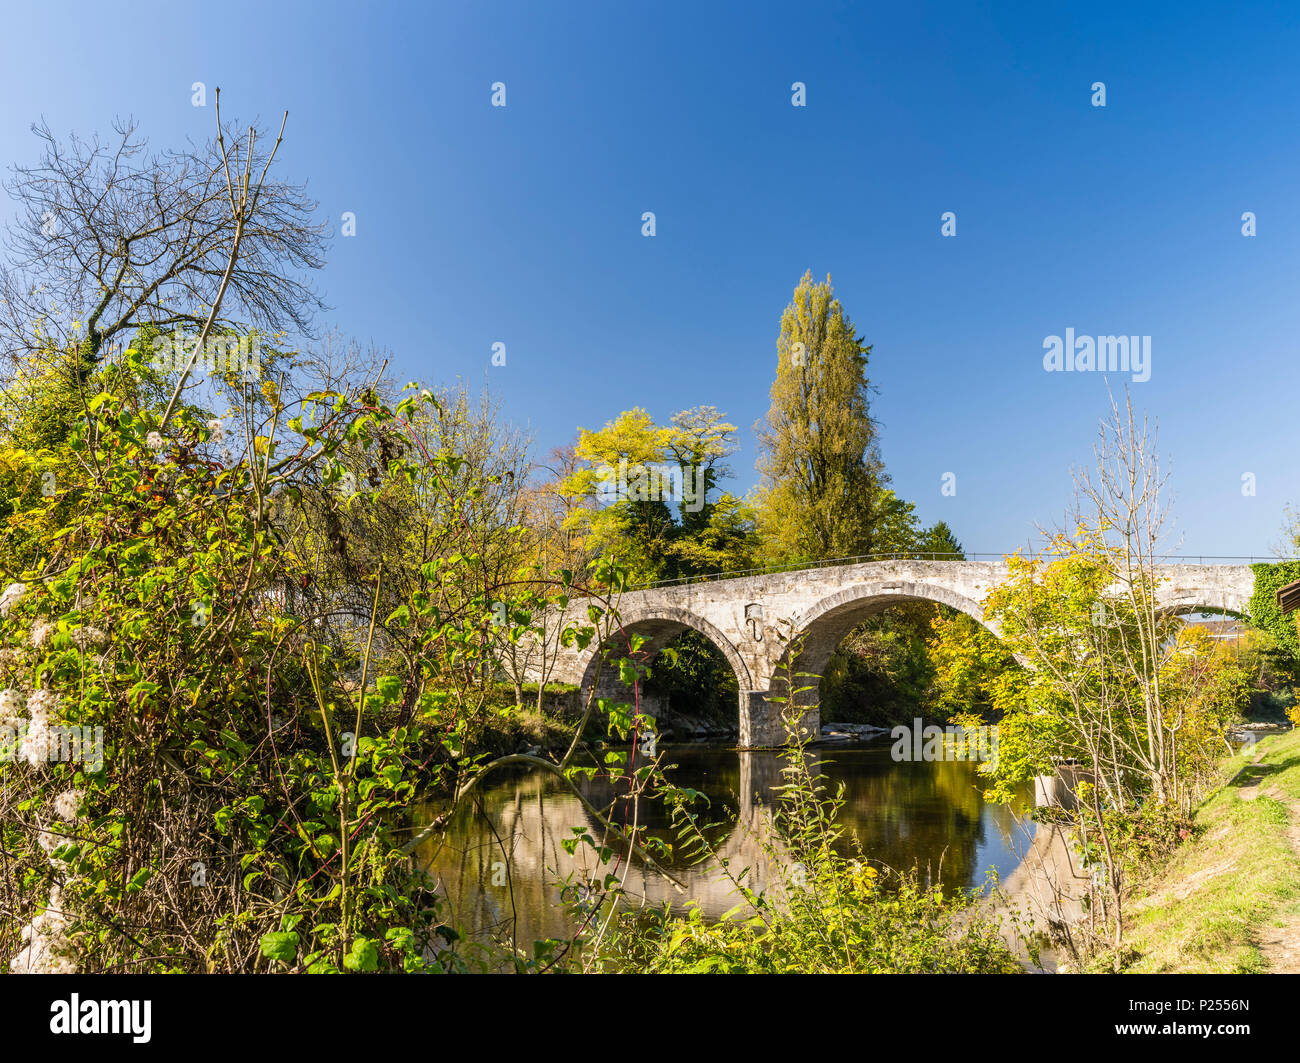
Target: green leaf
364, 956
280, 945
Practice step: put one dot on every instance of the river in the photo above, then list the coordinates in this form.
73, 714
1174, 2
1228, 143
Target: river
500, 861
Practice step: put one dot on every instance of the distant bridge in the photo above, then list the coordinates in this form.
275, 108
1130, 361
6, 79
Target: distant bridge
752, 618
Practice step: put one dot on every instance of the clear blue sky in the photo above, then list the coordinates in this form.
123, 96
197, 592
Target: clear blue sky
523, 224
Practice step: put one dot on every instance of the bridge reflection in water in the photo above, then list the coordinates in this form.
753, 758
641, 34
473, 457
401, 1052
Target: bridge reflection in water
500, 863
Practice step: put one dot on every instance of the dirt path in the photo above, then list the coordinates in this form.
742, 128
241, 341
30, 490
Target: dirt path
1280, 945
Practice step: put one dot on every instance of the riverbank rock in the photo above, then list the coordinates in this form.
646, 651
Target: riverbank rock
1257, 729
850, 732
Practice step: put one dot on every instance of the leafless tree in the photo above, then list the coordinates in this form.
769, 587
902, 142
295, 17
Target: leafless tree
1125, 498
109, 236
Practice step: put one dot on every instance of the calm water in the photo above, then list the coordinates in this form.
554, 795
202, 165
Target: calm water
500, 864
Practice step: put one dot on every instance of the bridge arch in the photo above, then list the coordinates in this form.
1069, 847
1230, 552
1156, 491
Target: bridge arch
826, 624
1189, 605
659, 626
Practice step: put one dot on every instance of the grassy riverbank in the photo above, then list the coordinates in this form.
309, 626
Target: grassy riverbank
500, 726
1229, 899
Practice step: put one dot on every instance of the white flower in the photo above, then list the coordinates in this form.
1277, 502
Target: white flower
46, 948
218, 432
40, 632
11, 702
67, 804
226, 456
50, 840
88, 636
41, 706
12, 596
155, 441
36, 742
39, 739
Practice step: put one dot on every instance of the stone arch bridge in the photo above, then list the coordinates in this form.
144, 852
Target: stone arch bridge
751, 619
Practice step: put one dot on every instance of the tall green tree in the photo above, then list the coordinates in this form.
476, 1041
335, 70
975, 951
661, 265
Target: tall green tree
938, 540
823, 481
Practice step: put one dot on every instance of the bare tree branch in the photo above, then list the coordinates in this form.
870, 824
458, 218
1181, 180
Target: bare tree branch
110, 237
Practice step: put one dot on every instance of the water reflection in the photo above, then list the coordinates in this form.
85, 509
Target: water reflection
500, 860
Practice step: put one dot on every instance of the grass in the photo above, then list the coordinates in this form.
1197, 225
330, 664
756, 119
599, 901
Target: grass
1210, 907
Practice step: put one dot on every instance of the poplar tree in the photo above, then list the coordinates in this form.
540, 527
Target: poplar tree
823, 481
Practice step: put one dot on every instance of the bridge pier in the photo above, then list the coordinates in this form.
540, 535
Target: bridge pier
761, 726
